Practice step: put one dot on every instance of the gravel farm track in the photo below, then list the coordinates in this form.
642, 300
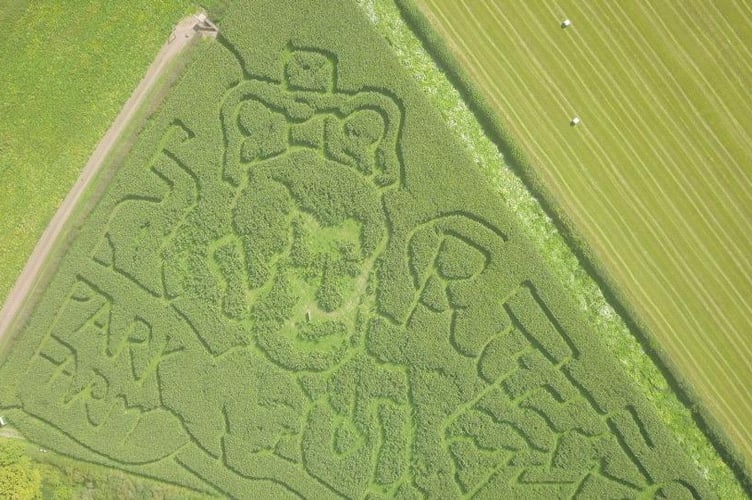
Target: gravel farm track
181, 36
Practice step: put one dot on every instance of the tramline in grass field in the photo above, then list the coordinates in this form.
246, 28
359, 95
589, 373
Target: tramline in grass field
298, 284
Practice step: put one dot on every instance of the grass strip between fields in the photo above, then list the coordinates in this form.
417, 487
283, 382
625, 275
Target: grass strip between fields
569, 253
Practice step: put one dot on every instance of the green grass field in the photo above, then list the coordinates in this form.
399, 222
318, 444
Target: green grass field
304, 286
656, 177
66, 73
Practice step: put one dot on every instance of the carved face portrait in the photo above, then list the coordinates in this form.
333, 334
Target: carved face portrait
311, 165
310, 230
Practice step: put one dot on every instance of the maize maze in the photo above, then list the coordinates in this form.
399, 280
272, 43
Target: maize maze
298, 285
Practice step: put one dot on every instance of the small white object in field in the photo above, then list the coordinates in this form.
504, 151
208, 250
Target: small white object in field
575, 121
566, 23
3, 422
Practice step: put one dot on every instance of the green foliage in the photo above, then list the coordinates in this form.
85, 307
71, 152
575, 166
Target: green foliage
266, 131
19, 481
458, 260
308, 71
329, 295
355, 314
11, 452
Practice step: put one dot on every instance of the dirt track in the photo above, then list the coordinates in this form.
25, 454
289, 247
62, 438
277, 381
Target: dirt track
183, 33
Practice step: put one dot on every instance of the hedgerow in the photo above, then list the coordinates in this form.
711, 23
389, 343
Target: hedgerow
303, 286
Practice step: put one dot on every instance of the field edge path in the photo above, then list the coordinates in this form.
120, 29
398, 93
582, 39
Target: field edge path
183, 33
